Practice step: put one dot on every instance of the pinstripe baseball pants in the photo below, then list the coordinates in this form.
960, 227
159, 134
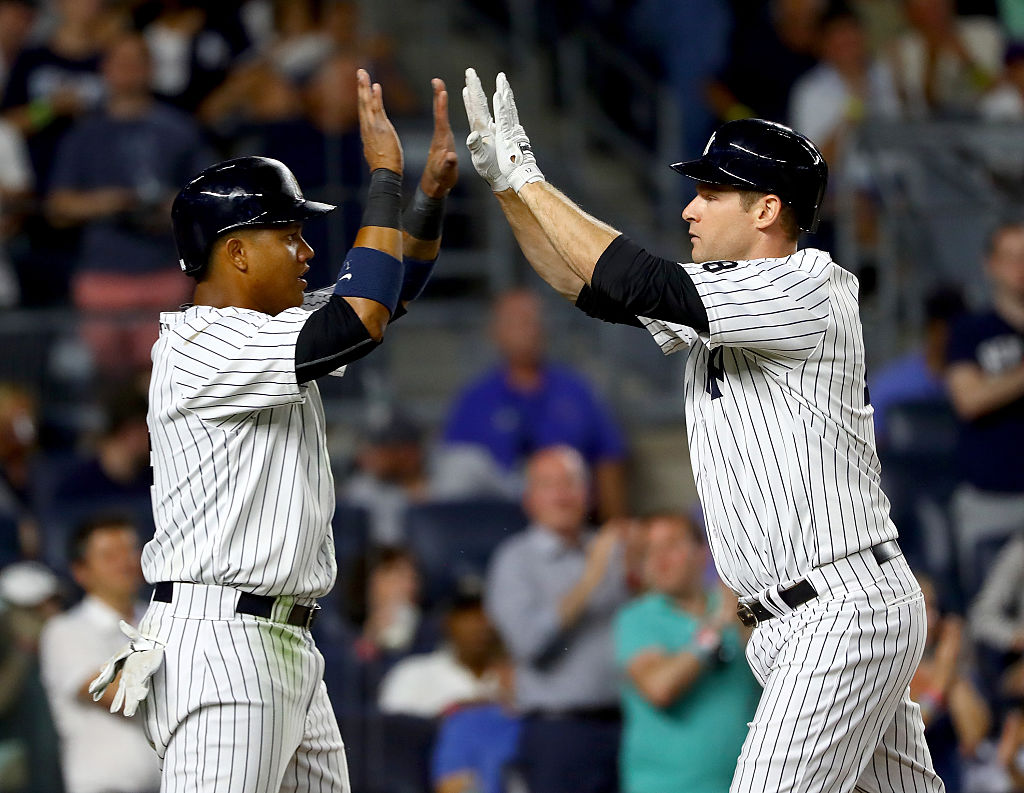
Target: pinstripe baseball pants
836, 714
239, 704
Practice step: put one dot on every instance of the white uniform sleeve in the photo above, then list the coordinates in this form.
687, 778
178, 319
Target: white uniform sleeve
241, 363
777, 307
670, 336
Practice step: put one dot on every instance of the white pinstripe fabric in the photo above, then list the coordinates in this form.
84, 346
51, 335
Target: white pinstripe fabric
783, 451
836, 713
239, 704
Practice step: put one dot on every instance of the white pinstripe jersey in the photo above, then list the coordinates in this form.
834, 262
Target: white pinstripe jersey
243, 492
781, 436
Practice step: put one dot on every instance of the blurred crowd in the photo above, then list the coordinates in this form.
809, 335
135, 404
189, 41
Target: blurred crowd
503, 619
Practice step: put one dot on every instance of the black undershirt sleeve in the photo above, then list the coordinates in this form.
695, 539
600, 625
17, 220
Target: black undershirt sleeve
332, 336
628, 280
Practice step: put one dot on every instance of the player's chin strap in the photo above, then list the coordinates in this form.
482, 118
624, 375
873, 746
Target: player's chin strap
137, 661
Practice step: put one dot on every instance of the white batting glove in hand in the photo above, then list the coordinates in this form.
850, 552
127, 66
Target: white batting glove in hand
136, 661
515, 155
481, 136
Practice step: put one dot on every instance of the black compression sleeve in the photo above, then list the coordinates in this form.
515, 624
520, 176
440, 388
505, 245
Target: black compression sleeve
332, 336
594, 305
646, 285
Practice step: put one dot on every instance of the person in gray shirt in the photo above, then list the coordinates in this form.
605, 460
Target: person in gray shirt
553, 591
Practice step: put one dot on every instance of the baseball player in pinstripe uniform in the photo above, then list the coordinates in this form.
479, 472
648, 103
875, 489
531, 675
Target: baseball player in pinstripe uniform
224, 667
780, 436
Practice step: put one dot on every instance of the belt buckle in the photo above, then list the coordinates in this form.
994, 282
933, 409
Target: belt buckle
746, 615
311, 616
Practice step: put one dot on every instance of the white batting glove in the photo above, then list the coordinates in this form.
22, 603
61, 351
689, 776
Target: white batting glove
481, 136
515, 155
136, 661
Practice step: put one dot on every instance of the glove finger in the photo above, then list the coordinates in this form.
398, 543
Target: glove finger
115, 706
475, 91
474, 141
132, 703
508, 98
129, 631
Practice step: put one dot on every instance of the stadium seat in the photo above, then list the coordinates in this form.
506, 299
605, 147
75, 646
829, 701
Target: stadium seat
454, 540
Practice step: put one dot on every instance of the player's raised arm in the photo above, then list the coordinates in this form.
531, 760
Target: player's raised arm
536, 247
421, 238
369, 284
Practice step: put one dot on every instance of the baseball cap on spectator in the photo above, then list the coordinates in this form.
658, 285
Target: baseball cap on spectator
393, 428
27, 584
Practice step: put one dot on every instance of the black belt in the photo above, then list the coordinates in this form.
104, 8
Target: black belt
754, 612
256, 605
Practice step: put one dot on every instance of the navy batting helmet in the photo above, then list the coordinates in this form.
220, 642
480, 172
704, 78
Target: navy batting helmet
753, 154
248, 192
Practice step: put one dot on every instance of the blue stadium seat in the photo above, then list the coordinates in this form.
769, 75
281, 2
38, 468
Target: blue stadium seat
453, 540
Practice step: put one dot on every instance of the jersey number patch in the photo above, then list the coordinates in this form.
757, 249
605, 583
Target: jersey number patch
716, 372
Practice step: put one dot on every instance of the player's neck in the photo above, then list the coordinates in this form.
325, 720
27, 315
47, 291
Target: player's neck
221, 295
695, 602
770, 247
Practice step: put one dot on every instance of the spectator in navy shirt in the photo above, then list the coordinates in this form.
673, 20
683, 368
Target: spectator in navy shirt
986, 385
115, 176
526, 403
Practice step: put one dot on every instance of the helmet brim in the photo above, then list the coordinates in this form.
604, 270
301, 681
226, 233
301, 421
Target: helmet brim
708, 173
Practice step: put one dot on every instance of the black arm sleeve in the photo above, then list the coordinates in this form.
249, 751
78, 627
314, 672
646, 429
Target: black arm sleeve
598, 306
645, 285
332, 336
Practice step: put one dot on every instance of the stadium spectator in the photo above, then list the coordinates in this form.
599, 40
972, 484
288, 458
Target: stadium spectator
15, 190
189, 58
474, 750
780, 32
383, 603
464, 669
101, 752
118, 467
29, 758
846, 88
918, 375
986, 385
689, 39
49, 85
115, 176
687, 684
552, 592
944, 63
956, 716
1005, 102
391, 474
527, 403
997, 624
19, 423
16, 20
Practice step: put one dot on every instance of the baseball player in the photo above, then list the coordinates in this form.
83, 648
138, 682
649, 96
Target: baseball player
227, 674
780, 437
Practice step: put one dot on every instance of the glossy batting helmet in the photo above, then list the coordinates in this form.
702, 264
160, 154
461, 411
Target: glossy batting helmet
248, 192
752, 154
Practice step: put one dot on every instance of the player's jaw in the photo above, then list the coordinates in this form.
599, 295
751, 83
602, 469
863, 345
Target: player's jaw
720, 228
283, 260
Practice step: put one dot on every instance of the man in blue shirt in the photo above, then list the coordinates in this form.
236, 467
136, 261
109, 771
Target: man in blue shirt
527, 403
688, 693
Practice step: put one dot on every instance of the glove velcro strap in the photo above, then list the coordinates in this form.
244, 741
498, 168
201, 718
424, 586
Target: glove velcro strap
373, 274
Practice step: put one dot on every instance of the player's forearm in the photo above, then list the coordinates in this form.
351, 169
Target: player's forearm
975, 394
578, 238
537, 248
67, 207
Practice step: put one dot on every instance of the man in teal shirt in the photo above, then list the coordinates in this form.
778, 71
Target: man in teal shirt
688, 693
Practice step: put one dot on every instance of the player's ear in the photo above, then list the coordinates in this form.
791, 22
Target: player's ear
768, 209
236, 252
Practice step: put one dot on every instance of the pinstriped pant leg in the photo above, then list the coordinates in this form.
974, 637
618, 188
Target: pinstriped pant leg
319, 764
831, 693
902, 761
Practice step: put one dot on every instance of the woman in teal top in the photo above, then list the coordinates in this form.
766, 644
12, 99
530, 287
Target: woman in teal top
688, 693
